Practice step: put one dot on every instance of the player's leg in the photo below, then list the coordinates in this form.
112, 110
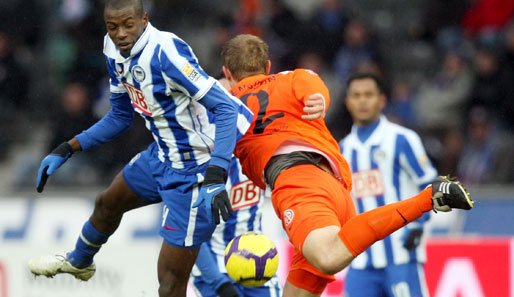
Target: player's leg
307, 198
365, 283
405, 280
201, 287
184, 228
271, 288
173, 270
126, 192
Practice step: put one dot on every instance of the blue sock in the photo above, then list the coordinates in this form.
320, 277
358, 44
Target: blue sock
88, 244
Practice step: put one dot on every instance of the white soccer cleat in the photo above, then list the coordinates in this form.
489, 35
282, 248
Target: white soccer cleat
55, 264
448, 194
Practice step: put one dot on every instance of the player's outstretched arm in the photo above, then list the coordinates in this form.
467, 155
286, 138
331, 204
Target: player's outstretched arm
213, 195
52, 162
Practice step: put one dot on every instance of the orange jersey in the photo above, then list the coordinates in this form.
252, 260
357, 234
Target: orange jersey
277, 102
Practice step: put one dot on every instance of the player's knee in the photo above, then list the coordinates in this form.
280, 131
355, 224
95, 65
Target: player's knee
170, 284
107, 207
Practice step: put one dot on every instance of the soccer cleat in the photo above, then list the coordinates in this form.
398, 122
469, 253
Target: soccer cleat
447, 194
55, 264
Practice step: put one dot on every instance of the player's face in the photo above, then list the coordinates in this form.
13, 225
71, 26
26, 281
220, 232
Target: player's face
364, 101
125, 26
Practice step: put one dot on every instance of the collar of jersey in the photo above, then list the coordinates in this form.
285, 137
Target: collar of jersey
247, 81
112, 51
373, 128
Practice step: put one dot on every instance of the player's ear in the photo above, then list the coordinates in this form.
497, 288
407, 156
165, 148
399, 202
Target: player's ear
145, 20
227, 73
268, 66
383, 101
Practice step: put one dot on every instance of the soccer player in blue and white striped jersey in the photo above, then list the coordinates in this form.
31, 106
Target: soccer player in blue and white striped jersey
209, 276
388, 164
156, 74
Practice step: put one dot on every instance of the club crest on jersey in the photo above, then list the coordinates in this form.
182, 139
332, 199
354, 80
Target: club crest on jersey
288, 216
138, 74
190, 72
137, 98
379, 155
367, 183
244, 194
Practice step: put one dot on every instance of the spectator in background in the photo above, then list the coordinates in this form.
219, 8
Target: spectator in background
314, 61
326, 27
401, 109
439, 109
356, 49
73, 114
13, 92
487, 153
493, 87
508, 47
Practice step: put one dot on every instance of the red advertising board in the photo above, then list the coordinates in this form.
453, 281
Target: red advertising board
465, 267
479, 267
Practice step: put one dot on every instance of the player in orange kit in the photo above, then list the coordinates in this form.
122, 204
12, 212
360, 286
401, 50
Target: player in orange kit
289, 149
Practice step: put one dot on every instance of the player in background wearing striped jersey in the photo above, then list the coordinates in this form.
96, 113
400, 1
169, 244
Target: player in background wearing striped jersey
388, 164
155, 74
289, 149
209, 276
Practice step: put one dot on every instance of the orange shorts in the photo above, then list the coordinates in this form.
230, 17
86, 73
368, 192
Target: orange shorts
307, 198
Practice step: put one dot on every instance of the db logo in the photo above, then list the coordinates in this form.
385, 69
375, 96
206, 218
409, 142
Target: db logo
137, 98
244, 194
367, 183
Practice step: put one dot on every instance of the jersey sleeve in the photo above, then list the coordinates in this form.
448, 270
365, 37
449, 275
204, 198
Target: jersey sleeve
115, 84
181, 69
414, 159
307, 82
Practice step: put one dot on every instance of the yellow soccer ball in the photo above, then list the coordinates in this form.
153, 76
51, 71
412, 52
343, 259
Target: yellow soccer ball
251, 259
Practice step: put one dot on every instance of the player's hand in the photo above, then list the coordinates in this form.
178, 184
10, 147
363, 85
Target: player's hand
412, 238
314, 107
214, 195
227, 290
51, 162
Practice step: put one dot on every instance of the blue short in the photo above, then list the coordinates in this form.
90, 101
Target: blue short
153, 181
271, 288
393, 281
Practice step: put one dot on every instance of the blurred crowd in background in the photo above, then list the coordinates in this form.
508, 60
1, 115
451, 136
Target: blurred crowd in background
448, 66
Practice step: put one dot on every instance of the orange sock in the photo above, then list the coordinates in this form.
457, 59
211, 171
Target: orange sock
361, 231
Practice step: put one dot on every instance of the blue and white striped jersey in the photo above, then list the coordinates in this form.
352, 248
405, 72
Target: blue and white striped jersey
388, 166
247, 200
165, 83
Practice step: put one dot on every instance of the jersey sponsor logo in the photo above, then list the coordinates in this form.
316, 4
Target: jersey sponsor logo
244, 194
288, 216
138, 73
367, 183
190, 72
137, 98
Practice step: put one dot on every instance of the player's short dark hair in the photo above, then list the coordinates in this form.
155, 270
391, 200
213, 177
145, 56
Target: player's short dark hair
367, 75
119, 4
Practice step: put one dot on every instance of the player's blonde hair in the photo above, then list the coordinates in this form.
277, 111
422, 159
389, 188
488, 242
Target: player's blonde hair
245, 55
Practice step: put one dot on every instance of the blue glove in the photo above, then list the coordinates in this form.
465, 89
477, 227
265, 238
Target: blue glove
214, 195
50, 164
412, 237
